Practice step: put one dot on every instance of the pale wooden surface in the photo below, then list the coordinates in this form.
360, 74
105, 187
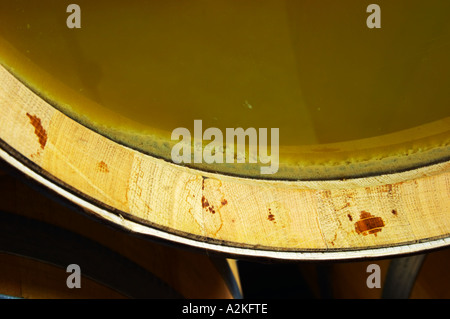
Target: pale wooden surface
400, 209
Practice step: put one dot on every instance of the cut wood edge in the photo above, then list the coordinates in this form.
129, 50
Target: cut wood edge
382, 252
305, 220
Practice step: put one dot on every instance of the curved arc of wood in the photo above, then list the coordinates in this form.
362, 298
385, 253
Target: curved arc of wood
235, 251
275, 219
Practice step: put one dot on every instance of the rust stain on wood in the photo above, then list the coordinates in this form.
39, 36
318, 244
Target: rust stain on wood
277, 208
369, 224
334, 239
326, 193
211, 192
345, 206
206, 205
271, 216
102, 167
38, 129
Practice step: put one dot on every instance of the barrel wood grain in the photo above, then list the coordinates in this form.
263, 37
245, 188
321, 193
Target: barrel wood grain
374, 216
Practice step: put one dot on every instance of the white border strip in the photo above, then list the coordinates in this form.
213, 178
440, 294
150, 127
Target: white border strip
282, 255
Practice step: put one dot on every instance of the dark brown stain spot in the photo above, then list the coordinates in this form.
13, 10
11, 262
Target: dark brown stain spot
389, 188
271, 216
334, 239
394, 212
207, 206
38, 129
224, 202
102, 167
349, 217
204, 202
345, 206
368, 224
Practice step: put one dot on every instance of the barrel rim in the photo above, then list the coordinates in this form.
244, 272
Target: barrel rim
351, 162
316, 245
229, 250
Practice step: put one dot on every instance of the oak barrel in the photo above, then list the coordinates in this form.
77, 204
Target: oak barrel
379, 195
